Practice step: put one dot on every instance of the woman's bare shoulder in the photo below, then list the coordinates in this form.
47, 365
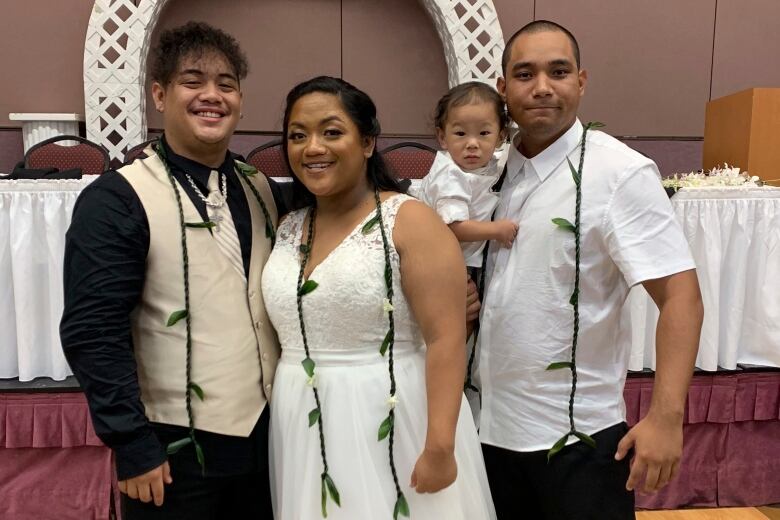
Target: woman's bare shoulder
417, 224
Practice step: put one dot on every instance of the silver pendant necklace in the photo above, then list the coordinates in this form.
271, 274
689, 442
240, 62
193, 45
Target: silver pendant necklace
214, 200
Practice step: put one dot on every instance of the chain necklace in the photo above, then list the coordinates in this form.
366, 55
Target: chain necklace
214, 200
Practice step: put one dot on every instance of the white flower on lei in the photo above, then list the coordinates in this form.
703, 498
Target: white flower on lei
392, 401
387, 306
312, 381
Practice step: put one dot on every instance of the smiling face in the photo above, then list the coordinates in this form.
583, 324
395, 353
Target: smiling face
471, 134
324, 147
542, 88
201, 106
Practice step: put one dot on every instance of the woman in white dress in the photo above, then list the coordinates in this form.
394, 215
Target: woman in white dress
365, 288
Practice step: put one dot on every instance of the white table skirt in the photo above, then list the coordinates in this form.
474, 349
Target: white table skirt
734, 236
34, 216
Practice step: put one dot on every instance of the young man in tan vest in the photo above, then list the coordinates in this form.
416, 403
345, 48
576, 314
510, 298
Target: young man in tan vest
164, 324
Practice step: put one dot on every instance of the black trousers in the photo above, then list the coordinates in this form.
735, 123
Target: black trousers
579, 483
219, 495
192, 497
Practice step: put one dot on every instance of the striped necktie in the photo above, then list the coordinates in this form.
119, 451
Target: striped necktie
225, 231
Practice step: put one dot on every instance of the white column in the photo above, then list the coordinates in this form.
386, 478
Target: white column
39, 127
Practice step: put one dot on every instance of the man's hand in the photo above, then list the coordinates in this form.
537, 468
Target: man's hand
434, 471
148, 486
657, 443
658, 438
473, 304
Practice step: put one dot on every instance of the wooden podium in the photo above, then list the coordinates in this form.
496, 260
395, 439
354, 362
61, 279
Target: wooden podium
743, 130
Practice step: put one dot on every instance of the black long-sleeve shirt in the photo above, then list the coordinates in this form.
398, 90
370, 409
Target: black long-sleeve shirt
105, 264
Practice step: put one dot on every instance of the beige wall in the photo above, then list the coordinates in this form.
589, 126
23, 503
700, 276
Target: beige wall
649, 67
394, 53
389, 49
41, 56
652, 65
746, 47
285, 42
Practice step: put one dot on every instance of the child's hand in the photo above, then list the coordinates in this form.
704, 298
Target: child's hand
506, 231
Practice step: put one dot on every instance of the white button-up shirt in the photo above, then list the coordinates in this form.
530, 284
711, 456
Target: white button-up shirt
628, 235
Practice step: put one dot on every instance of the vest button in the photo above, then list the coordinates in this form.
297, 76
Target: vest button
265, 356
258, 325
268, 388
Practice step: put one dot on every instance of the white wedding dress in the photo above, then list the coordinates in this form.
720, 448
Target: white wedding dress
345, 326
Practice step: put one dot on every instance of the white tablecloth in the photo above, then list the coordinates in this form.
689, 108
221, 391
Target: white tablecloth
734, 236
34, 216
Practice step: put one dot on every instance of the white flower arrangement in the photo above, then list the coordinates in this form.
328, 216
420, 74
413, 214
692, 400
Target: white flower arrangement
726, 177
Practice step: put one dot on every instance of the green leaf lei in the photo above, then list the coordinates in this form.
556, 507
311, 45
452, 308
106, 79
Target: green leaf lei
387, 427
574, 300
244, 172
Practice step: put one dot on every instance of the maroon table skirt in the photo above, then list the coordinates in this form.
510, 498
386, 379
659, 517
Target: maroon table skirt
53, 466
731, 451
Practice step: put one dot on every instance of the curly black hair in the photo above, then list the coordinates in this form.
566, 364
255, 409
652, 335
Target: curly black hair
193, 39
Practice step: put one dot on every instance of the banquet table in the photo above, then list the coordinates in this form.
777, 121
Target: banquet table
734, 236
34, 216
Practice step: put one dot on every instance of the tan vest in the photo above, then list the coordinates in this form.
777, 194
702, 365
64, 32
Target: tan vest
234, 347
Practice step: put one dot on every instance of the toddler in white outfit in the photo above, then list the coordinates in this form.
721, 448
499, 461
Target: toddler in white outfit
470, 125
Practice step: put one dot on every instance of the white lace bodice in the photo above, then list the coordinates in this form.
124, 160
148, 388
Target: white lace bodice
345, 312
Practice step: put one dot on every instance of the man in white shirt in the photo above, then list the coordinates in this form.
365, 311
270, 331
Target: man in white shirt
628, 235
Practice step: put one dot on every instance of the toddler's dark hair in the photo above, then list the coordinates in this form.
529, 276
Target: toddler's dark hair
466, 93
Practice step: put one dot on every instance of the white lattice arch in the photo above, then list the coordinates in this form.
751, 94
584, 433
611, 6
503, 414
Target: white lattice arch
117, 45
